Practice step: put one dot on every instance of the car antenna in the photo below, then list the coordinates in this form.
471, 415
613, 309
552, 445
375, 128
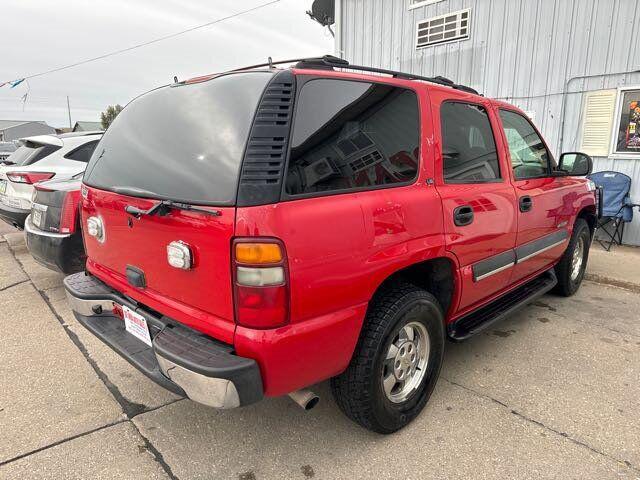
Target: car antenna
270, 60
175, 79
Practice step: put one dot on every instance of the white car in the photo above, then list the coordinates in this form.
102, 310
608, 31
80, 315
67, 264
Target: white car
38, 159
6, 149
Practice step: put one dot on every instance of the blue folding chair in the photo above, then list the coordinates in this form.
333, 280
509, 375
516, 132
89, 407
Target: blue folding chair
617, 208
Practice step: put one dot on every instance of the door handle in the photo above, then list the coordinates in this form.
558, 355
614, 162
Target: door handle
526, 203
463, 215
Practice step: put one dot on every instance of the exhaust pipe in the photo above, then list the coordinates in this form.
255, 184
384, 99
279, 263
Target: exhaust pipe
305, 398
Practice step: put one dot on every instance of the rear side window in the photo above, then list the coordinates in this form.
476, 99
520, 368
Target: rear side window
30, 153
183, 142
468, 147
353, 135
82, 153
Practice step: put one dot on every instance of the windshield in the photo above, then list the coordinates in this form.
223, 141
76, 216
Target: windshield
30, 152
183, 142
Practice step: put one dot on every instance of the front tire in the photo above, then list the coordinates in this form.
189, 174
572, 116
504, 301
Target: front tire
570, 270
396, 362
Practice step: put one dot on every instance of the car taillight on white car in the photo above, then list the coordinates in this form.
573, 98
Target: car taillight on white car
29, 177
261, 290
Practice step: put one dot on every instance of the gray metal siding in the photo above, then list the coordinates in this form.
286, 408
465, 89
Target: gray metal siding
523, 51
28, 129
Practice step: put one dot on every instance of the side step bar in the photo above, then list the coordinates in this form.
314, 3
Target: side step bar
486, 316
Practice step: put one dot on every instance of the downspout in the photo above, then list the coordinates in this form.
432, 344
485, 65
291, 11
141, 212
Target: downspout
565, 94
337, 42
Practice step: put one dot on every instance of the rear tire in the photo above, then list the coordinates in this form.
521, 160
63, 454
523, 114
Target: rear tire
402, 338
570, 270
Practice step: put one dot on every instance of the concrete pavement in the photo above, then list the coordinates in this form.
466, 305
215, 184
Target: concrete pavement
620, 266
552, 392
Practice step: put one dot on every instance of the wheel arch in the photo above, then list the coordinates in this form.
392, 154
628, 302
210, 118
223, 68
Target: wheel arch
589, 215
436, 275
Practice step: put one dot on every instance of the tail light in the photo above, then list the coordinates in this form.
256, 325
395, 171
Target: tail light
29, 177
69, 213
261, 284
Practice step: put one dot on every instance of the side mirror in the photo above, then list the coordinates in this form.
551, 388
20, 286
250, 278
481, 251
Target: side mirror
576, 164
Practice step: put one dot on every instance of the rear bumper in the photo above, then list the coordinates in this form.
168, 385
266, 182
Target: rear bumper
57, 251
180, 359
13, 216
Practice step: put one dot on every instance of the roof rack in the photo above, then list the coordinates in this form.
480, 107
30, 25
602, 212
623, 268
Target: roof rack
329, 62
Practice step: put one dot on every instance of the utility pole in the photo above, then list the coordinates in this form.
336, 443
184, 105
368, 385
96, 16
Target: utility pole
69, 111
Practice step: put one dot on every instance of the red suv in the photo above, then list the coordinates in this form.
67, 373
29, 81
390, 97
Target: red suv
255, 232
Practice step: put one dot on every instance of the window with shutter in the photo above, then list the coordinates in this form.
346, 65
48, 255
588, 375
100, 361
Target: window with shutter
446, 28
597, 122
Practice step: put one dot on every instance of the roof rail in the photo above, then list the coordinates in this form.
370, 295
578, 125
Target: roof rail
331, 62
269, 64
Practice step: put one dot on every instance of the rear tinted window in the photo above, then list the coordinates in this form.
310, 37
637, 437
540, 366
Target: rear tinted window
352, 135
182, 142
30, 153
82, 153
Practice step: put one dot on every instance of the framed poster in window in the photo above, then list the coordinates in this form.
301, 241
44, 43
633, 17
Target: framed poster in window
626, 134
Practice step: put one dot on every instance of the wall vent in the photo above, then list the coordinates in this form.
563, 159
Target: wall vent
450, 27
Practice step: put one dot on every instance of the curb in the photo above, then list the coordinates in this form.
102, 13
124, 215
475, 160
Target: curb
594, 277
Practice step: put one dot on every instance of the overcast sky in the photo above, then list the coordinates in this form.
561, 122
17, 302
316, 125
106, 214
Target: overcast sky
39, 35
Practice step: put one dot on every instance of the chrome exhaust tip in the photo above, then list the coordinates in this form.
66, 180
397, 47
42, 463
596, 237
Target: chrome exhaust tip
305, 398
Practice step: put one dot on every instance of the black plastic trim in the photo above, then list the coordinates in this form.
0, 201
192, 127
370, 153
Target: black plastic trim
62, 254
492, 264
532, 248
135, 277
262, 173
110, 329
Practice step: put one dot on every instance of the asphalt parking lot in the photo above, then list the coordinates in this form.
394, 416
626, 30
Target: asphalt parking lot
553, 392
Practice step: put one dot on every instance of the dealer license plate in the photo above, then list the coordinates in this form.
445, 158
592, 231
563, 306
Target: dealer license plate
37, 214
3, 186
36, 218
136, 325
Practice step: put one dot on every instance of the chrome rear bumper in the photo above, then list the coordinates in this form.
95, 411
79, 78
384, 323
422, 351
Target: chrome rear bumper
180, 359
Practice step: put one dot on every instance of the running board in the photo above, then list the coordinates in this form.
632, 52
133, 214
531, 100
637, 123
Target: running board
486, 316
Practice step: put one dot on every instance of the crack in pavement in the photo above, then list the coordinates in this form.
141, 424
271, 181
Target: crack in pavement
541, 424
156, 453
130, 409
14, 284
60, 442
612, 282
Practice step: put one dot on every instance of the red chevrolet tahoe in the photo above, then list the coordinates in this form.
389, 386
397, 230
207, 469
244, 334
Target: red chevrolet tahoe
255, 232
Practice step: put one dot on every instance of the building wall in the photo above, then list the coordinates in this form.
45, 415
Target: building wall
28, 129
528, 52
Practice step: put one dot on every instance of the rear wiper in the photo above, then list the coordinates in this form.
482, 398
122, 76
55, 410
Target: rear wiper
162, 207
